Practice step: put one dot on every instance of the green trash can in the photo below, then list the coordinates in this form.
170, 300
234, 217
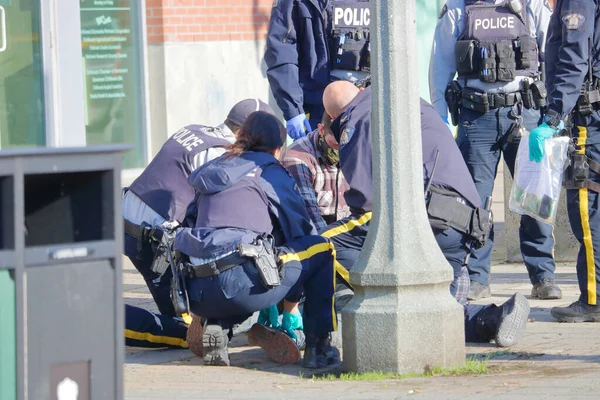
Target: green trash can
61, 305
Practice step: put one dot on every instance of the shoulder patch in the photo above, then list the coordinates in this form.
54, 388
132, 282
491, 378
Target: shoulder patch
346, 135
444, 11
573, 20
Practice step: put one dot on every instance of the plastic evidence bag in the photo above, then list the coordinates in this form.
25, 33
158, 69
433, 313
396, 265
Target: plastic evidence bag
536, 186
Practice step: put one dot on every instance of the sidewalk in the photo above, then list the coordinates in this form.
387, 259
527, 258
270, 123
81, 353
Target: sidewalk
553, 360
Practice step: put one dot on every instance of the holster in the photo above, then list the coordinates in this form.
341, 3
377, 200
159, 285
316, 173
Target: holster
453, 99
179, 297
263, 254
162, 243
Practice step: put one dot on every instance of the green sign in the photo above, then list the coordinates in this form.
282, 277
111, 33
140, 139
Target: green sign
110, 37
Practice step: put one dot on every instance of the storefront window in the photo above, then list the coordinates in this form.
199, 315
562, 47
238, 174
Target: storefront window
112, 64
21, 83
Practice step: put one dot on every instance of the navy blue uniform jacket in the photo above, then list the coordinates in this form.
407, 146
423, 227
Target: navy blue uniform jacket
572, 25
297, 55
352, 130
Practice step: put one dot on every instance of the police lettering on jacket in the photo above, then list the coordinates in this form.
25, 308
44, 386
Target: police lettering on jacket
495, 23
351, 15
187, 139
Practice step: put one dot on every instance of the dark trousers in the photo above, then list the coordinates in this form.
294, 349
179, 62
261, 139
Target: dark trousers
349, 234
482, 138
146, 329
235, 294
142, 327
582, 207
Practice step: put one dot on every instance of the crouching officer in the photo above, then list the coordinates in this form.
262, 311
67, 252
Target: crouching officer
450, 192
496, 48
309, 44
247, 258
573, 69
154, 207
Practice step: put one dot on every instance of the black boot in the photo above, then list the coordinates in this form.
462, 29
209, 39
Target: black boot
505, 324
319, 353
214, 343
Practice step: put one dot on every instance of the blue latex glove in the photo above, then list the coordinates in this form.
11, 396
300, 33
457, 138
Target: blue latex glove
269, 317
290, 323
537, 140
298, 126
445, 119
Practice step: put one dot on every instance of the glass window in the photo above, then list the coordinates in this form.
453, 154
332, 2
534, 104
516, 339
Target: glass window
21, 82
111, 44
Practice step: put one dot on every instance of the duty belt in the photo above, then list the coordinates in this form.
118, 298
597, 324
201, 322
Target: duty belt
213, 268
484, 102
136, 231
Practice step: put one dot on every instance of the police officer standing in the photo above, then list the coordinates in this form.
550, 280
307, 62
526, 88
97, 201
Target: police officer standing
495, 46
573, 68
309, 44
154, 207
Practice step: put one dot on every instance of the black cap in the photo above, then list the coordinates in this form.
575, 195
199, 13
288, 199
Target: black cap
241, 110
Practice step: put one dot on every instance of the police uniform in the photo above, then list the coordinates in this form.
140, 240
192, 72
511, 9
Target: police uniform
353, 133
572, 53
161, 194
160, 197
496, 48
223, 284
309, 44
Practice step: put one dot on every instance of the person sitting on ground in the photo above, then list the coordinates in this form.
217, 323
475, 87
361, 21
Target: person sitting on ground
351, 126
313, 162
252, 245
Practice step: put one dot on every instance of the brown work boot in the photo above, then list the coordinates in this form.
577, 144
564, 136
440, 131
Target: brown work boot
194, 336
279, 346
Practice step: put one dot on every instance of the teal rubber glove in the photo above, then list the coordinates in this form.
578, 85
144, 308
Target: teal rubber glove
269, 317
290, 323
537, 140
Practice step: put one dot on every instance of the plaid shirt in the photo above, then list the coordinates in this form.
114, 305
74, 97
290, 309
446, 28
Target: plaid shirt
316, 180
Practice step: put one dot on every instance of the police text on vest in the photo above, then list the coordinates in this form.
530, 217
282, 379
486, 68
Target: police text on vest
495, 23
358, 17
187, 139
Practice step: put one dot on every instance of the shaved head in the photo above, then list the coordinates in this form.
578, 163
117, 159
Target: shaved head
337, 96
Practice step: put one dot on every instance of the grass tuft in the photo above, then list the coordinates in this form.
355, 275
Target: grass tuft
472, 366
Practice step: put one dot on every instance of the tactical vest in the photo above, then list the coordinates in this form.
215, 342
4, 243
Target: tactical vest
225, 210
496, 44
349, 37
163, 185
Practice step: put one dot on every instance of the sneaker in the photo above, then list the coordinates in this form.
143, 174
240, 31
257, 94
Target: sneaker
546, 289
319, 352
478, 291
214, 343
577, 312
194, 336
513, 321
279, 346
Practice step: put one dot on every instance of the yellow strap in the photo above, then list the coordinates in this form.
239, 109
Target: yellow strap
148, 337
348, 226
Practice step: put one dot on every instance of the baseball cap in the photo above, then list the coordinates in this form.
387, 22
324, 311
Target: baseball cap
241, 110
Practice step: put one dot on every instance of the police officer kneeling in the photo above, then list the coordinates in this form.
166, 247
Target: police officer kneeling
253, 245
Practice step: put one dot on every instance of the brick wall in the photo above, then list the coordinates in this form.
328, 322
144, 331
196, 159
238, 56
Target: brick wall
173, 21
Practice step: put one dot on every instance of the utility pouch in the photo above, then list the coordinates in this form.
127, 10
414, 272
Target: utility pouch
481, 225
365, 57
584, 107
528, 53
464, 52
476, 101
578, 171
540, 94
263, 254
527, 96
507, 66
487, 63
453, 99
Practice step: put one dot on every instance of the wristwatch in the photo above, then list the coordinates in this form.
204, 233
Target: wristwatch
552, 119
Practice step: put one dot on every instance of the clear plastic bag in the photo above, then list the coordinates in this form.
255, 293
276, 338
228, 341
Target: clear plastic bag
536, 186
